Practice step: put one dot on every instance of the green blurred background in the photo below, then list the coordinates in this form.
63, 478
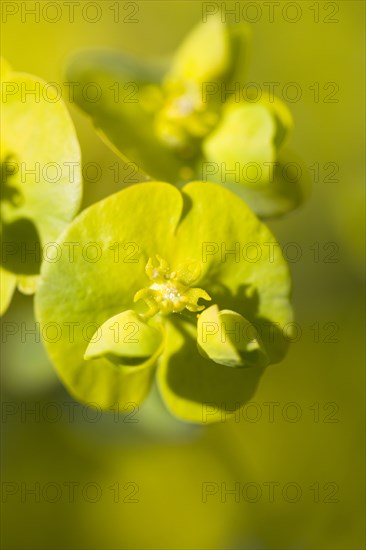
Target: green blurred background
173, 478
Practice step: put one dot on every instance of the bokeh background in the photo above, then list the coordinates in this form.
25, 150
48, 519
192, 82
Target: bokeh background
139, 482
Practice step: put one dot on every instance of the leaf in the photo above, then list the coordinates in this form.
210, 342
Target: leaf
27, 284
125, 339
222, 63
289, 187
242, 265
8, 284
196, 389
205, 53
227, 338
127, 228
241, 39
244, 137
283, 119
38, 135
122, 114
41, 172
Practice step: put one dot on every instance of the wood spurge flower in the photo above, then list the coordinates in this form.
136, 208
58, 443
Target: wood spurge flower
196, 118
40, 178
185, 306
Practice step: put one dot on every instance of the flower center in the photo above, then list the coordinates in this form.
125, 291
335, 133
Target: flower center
184, 119
171, 291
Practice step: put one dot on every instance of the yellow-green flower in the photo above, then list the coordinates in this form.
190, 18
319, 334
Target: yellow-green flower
40, 178
182, 300
194, 119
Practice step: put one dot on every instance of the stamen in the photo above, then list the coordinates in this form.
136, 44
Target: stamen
170, 291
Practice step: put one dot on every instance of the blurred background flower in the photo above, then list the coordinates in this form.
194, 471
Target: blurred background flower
194, 116
35, 204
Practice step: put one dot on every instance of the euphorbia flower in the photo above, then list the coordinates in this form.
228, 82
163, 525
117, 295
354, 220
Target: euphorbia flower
171, 289
40, 177
194, 118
